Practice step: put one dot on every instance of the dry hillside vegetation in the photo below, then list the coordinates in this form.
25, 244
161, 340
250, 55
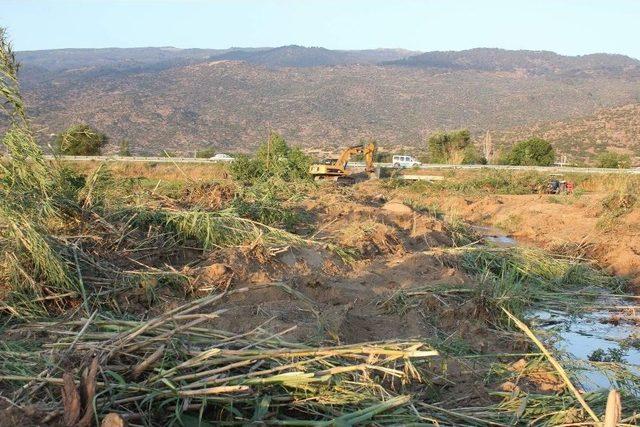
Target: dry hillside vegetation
229, 103
582, 138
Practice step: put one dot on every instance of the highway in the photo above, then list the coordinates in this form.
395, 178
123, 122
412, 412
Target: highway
546, 169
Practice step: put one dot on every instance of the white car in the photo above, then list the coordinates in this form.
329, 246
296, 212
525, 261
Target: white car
221, 158
404, 162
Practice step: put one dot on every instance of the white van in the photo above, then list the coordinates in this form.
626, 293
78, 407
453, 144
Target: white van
404, 162
221, 158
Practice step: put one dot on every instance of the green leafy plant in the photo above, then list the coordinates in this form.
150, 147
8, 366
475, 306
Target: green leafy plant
610, 355
531, 152
273, 159
452, 147
80, 140
613, 160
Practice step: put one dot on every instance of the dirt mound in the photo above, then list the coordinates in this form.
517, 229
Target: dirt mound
371, 238
397, 208
363, 251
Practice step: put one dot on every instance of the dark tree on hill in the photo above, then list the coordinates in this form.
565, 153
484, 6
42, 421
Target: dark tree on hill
80, 140
531, 152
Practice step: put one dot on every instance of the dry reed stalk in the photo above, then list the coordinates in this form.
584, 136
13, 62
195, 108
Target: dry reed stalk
555, 364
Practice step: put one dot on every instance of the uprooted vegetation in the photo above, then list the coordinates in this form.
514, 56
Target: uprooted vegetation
266, 301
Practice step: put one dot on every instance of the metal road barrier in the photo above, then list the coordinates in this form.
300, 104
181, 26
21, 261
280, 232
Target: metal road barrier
547, 169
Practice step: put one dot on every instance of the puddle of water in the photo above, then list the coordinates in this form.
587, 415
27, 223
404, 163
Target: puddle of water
495, 236
581, 336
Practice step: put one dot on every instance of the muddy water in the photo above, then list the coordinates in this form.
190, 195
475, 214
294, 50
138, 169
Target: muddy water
606, 332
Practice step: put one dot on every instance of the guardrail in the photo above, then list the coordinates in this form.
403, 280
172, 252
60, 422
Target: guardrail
546, 169
132, 159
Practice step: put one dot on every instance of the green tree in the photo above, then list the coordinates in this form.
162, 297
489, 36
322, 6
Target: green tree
530, 152
448, 147
613, 160
275, 148
80, 140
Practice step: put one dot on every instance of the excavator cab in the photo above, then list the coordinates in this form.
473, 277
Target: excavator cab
335, 169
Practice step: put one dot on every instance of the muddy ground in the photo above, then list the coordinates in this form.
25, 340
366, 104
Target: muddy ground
580, 225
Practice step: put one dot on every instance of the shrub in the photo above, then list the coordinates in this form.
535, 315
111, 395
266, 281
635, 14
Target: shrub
613, 160
80, 140
448, 147
470, 156
123, 148
245, 169
205, 153
273, 159
531, 152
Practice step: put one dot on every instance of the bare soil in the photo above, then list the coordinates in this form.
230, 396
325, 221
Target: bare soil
580, 225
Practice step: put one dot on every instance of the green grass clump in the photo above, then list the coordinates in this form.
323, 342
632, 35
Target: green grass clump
516, 278
496, 182
477, 182
270, 203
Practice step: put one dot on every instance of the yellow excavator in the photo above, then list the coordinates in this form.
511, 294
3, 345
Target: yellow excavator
335, 170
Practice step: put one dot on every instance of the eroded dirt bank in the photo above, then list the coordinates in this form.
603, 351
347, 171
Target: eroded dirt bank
597, 226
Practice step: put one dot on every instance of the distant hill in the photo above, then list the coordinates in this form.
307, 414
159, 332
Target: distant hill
66, 59
582, 138
185, 99
40, 65
299, 56
536, 62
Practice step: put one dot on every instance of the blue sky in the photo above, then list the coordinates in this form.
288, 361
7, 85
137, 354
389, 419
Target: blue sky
565, 26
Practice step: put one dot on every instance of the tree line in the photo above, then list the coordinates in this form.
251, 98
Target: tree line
452, 147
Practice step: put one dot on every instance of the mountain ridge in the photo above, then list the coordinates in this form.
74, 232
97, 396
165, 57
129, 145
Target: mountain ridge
183, 101
495, 59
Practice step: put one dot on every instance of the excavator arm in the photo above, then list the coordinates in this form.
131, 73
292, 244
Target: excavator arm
368, 150
342, 161
337, 170
369, 156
